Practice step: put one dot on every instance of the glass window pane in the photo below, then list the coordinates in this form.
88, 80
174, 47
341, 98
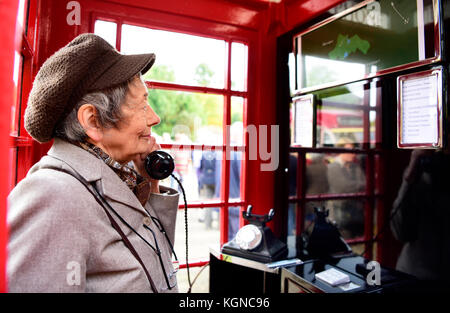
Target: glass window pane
233, 221
348, 215
180, 58
239, 53
206, 169
316, 174
236, 158
187, 118
237, 117
346, 172
200, 237
106, 30
291, 65
292, 171
341, 113
292, 223
237, 109
332, 173
199, 172
335, 125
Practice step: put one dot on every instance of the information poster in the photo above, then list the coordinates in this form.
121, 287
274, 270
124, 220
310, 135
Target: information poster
304, 121
420, 109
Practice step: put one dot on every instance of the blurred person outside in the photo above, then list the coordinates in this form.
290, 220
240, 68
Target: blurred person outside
345, 175
236, 138
182, 158
204, 162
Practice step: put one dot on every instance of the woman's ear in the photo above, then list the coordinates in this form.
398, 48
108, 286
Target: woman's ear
87, 116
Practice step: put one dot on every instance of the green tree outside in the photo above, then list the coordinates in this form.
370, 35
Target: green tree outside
192, 110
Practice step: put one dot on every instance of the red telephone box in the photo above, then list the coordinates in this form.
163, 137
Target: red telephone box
262, 33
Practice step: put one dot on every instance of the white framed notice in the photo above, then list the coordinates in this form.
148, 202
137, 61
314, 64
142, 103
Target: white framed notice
304, 121
419, 109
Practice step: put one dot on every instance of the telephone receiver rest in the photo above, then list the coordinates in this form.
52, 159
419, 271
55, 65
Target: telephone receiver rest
258, 219
159, 164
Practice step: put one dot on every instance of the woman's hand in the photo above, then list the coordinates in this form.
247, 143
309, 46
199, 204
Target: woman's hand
139, 164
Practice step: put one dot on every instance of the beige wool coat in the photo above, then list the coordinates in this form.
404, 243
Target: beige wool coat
61, 240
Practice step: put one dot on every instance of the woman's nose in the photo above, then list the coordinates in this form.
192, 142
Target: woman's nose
153, 119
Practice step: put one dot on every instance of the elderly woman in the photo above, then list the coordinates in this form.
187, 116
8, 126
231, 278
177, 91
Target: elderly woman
84, 220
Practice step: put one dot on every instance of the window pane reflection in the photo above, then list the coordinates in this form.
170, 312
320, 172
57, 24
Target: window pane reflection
293, 174
334, 173
334, 125
346, 173
316, 174
341, 112
348, 215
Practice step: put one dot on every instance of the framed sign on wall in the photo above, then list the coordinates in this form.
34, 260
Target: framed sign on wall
304, 121
419, 110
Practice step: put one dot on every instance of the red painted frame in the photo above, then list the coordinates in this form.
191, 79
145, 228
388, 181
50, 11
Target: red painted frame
8, 15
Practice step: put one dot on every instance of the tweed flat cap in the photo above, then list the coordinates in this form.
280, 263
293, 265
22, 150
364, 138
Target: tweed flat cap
88, 63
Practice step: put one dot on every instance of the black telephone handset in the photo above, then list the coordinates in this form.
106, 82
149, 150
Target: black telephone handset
159, 164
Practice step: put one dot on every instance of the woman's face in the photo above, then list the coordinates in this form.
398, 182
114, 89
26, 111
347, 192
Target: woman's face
132, 136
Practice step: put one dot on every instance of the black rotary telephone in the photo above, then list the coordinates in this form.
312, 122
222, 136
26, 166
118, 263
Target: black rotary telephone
255, 241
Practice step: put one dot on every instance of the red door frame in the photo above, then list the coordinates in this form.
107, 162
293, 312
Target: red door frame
8, 14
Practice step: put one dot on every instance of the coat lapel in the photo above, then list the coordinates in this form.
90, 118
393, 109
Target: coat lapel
95, 170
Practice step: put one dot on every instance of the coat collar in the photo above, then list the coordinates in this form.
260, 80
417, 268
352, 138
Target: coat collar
93, 169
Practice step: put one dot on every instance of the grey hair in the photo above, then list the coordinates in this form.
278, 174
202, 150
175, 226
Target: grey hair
108, 106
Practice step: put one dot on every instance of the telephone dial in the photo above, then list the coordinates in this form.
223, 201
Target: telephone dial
255, 241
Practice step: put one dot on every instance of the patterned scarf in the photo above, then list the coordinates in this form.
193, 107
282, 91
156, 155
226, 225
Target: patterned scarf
138, 185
